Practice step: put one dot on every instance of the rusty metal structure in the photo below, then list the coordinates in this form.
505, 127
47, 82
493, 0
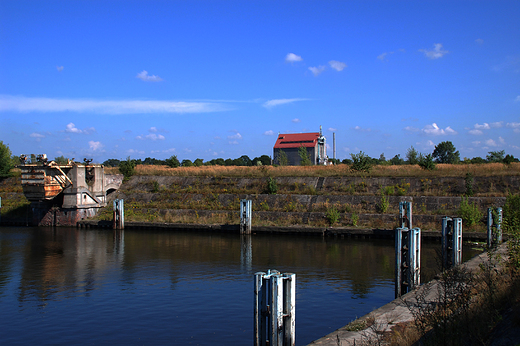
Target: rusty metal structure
63, 194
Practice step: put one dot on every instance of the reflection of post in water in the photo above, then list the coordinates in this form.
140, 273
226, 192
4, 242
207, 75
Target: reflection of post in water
119, 241
246, 252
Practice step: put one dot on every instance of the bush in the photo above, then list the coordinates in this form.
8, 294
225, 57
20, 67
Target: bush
384, 203
469, 184
361, 162
511, 226
426, 162
332, 214
469, 213
272, 186
127, 168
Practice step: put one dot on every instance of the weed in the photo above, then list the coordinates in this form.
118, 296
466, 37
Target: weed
155, 186
468, 182
355, 218
332, 214
383, 203
272, 186
469, 213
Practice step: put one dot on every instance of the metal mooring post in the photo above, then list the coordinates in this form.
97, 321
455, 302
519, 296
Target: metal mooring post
119, 214
275, 299
405, 214
407, 260
245, 216
451, 242
494, 234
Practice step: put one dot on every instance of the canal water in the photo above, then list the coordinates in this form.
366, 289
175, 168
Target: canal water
67, 286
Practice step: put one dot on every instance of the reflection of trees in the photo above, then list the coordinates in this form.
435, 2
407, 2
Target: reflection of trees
67, 261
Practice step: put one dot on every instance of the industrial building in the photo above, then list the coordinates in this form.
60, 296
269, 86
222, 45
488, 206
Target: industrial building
288, 146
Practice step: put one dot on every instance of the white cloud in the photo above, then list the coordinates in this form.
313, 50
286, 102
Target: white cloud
296, 120
317, 70
476, 143
436, 53
145, 77
33, 104
411, 129
59, 68
291, 57
433, 129
331, 129
337, 65
360, 129
501, 140
269, 133
36, 135
491, 143
133, 151
152, 129
95, 145
382, 56
514, 126
479, 41
151, 136
484, 126
71, 128
277, 102
497, 124
517, 99
430, 143
511, 63
475, 132
235, 136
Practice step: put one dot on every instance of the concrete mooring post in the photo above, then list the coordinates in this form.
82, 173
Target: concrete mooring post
275, 299
405, 214
451, 242
245, 216
494, 226
119, 214
407, 260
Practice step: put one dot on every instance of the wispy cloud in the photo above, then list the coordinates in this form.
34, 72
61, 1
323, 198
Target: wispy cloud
36, 135
59, 68
291, 57
331, 129
40, 104
296, 120
151, 136
511, 63
277, 102
436, 53
361, 129
337, 65
514, 126
95, 145
269, 133
71, 128
517, 99
479, 41
147, 78
435, 130
317, 70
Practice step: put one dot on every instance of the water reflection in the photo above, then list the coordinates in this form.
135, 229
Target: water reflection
180, 287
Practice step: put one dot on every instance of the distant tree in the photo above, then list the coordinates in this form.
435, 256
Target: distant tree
220, 161
477, 160
228, 162
426, 162
445, 152
266, 160
382, 159
245, 160
198, 162
305, 159
173, 161
61, 160
111, 163
153, 161
361, 162
496, 156
5, 160
282, 159
397, 160
334, 161
509, 159
187, 163
127, 168
412, 156
346, 161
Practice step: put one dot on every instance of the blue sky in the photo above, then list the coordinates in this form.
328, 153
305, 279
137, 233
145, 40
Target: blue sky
208, 79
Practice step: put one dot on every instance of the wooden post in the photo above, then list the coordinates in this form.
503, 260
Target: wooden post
245, 216
275, 297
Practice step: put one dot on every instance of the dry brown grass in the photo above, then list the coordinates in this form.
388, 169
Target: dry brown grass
442, 170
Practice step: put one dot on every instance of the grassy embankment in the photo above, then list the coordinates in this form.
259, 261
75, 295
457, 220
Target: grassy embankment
153, 197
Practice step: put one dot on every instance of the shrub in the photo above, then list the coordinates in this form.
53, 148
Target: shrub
469, 184
332, 214
127, 168
426, 162
384, 203
511, 226
305, 159
155, 186
469, 213
272, 186
355, 219
361, 162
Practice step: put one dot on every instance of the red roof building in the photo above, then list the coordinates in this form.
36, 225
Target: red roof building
287, 150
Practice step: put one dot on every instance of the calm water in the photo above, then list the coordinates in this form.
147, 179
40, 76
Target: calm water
96, 287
